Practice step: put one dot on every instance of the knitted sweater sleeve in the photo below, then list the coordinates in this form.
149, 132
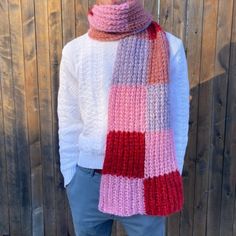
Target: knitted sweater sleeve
179, 102
68, 116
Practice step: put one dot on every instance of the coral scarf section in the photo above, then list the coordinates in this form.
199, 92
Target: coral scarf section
140, 173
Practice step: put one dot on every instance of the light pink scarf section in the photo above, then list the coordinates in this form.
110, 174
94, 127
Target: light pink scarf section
111, 22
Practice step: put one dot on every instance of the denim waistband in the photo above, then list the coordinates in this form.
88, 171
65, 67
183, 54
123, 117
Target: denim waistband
91, 171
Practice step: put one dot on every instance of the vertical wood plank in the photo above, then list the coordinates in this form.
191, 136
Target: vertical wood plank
55, 48
5, 76
195, 181
209, 40
44, 87
12, 142
204, 150
228, 203
180, 18
228, 207
234, 222
21, 116
219, 109
68, 20
32, 97
4, 217
81, 8
220, 83
166, 14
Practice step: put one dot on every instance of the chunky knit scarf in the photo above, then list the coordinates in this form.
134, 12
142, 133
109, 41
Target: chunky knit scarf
140, 174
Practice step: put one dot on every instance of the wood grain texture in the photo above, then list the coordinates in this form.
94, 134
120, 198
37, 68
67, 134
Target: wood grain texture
5, 77
197, 197
220, 90
180, 18
166, 14
81, 21
68, 20
228, 203
21, 116
55, 45
13, 144
32, 98
204, 140
32, 34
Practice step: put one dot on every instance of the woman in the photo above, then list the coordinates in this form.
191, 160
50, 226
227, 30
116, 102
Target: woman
123, 110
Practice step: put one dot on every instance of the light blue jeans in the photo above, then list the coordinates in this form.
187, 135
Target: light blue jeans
83, 194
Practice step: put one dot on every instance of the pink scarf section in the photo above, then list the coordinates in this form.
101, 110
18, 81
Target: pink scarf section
111, 22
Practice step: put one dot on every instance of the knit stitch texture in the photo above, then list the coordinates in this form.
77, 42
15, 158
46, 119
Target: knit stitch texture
140, 173
112, 22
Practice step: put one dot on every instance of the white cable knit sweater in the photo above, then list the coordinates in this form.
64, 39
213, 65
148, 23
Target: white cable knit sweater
85, 75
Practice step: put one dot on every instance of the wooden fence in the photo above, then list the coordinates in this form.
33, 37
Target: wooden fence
32, 34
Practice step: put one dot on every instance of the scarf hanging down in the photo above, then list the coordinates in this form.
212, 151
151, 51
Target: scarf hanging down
140, 174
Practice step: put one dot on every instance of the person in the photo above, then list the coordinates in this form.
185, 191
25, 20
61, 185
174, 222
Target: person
123, 112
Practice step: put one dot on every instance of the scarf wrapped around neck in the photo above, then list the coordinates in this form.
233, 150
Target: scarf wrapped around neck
140, 173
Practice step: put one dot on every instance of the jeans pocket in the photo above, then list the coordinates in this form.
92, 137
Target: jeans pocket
89, 173
73, 178
85, 170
